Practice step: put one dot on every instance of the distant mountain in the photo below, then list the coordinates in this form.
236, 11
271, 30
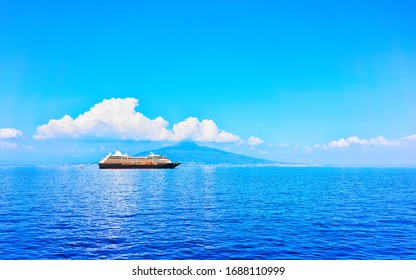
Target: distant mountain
188, 152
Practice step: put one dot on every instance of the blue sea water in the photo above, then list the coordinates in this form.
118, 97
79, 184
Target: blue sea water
207, 212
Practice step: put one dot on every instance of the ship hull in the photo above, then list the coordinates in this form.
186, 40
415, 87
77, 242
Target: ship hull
138, 166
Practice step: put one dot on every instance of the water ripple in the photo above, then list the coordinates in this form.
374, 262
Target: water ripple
199, 212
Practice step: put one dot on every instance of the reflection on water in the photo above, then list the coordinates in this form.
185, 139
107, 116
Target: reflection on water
207, 212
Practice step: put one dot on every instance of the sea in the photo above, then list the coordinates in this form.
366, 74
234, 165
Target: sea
203, 212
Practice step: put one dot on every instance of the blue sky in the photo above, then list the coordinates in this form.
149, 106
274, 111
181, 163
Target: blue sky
324, 82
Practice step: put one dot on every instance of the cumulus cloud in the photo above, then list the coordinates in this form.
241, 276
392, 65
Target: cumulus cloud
375, 142
254, 141
354, 140
8, 133
112, 118
117, 118
200, 131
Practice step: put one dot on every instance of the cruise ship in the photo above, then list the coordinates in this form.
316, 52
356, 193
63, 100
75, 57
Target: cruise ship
120, 161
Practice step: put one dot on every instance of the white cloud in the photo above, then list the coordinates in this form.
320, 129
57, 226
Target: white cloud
354, 140
112, 118
321, 146
8, 133
8, 145
254, 141
117, 118
341, 143
284, 145
381, 141
200, 131
410, 137
307, 149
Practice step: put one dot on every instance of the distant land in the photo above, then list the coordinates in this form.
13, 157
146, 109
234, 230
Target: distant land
188, 152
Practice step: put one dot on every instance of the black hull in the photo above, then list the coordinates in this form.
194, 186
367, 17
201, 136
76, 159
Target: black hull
138, 166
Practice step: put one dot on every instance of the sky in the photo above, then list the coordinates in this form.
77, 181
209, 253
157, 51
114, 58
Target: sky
317, 82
